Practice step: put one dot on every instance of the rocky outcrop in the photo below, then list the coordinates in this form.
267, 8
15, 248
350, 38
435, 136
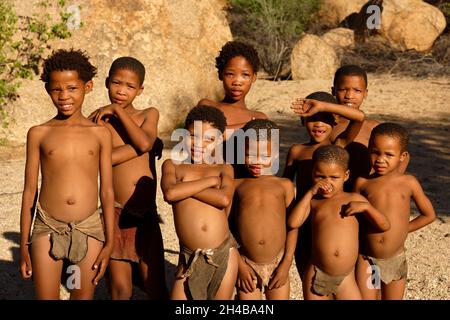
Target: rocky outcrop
176, 40
411, 24
339, 39
313, 58
332, 12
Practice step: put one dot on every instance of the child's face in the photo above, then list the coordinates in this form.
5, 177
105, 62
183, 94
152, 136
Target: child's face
67, 91
350, 91
319, 127
237, 77
333, 174
258, 157
385, 154
123, 87
202, 141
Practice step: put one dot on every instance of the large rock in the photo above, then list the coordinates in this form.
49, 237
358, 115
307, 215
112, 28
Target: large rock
313, 58
411, 24
176, 40
333, 12
339, 38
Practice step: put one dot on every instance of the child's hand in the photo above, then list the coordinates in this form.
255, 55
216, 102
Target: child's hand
306, 107
321, 187
101, 263
25, 264
247, 279
355, 207
280, 275
106, 111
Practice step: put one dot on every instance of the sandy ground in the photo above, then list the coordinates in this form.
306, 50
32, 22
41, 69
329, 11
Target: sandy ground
420, 105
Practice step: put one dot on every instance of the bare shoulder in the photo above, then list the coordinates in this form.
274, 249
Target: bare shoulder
296, 150
150, 112
238, 182
410, 180
36, 131
354, 196
208, 102
370, 124
101, 132
259, 115
227, 169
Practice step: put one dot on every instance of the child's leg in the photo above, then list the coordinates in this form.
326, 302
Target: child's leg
255, 295
120, 279
348, 290
394, 290
46, 270
151, 267
308, 294
364, 279
87, 274
179, 290
226, 288
281, 293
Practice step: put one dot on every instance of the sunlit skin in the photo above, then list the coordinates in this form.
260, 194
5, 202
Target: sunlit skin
351, 91
237, 77
134, 133
201, 196
334, 228
389, 191
261, 208
71, 152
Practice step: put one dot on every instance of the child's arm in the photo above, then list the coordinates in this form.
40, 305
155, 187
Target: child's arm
309, 107
107, 201
302, 209
142, 138
423, 204
281, 274
219, 197
29, 196
174, 191
375, 217
289, 169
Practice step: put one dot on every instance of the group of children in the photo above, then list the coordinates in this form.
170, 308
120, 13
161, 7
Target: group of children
239, 226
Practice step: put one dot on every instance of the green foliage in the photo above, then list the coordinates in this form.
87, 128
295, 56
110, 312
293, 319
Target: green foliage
23, 42
272, 27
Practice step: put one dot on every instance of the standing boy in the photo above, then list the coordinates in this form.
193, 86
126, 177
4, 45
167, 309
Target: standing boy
138, 244
330, 270
201, 194
317, 116
71, 152
262, 201
390, 191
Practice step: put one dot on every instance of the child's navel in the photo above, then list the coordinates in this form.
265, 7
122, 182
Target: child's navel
261, 242
91, 153
50, 152
336, 253
204, 227
70, 202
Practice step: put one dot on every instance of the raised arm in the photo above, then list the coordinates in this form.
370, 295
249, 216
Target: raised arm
423, 204
309, 107
107, 201
29, 196
219, 197
174, 191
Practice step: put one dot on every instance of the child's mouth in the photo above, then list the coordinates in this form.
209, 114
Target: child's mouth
66, 107
318, 132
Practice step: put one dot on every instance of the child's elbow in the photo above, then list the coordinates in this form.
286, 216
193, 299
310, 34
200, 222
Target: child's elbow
292, 223
385, 226
145, 146
224, 201
169, 196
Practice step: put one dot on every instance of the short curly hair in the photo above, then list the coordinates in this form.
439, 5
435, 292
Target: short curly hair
128, 63
70, 60
392, 130
206, 114
331, 154
233, 49
349, 70
263, 128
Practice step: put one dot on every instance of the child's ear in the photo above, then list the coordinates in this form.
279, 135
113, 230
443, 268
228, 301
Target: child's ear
254, 78
346, 175
140, 90
106, 82
403, 155
366, 93
88, 86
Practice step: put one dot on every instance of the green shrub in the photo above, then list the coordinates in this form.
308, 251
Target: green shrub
272, 27
23, 42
